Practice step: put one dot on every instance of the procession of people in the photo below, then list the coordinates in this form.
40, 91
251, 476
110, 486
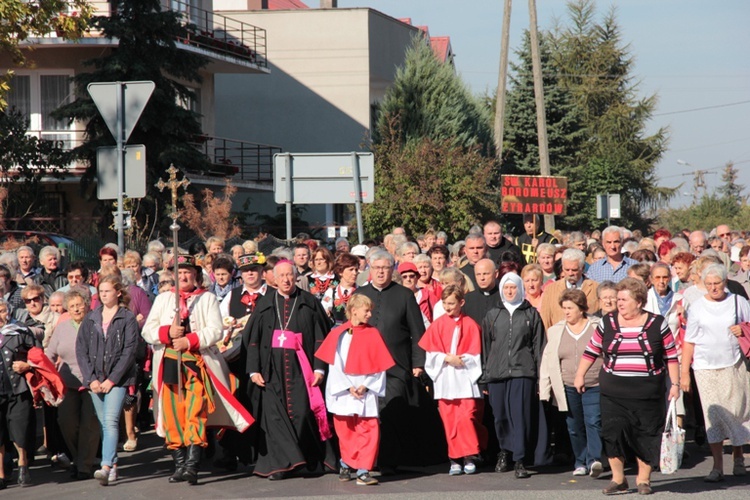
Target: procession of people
485, 354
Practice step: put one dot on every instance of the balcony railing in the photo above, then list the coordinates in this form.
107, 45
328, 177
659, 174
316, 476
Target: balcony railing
246, 161
218, 33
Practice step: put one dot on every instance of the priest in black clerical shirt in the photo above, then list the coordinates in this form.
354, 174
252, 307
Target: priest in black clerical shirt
485, 296
411, 432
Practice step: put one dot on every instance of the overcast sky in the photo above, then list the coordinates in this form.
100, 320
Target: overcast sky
692, 53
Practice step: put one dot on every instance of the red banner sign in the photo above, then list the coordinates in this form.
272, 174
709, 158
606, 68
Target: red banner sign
533, 194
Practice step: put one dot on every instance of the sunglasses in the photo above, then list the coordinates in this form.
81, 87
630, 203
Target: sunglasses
38, 298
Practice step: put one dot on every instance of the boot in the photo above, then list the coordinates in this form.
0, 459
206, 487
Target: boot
179, 455
190, 471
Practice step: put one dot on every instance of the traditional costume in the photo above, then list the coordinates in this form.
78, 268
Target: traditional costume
281, 338
357, 356
460, 402
207, 399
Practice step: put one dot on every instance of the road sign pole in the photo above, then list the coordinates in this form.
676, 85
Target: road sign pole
288, 167
120, 166
357, 196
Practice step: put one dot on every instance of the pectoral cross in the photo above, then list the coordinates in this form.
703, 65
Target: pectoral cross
282, 338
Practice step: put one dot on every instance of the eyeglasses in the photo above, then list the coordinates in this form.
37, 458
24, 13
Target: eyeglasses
380, 268
168, 282
409, 276
725, 234
29, 300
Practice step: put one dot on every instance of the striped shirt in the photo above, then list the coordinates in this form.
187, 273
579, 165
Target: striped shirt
630, 359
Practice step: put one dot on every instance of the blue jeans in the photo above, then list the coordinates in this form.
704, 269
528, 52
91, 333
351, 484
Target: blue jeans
584, 419
108, 409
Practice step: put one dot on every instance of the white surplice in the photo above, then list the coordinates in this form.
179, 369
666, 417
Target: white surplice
452, 382
339, 400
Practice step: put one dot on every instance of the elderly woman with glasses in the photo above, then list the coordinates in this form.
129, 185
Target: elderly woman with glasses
40, 319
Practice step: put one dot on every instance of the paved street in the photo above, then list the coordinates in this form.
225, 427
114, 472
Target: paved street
144, 475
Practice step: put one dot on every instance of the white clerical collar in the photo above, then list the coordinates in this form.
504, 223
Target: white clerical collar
378, 288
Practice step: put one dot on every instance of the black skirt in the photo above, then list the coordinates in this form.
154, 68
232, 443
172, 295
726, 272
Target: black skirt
633, 424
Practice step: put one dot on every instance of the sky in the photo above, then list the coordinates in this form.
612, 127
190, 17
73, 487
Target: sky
691, 53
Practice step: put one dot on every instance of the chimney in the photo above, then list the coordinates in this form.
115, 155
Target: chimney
329, 4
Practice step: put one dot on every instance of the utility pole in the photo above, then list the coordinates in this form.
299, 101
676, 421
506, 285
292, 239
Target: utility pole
502, 82
541, 121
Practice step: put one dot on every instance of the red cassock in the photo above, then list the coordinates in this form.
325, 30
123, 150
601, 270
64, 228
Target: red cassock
461, 416
358, 436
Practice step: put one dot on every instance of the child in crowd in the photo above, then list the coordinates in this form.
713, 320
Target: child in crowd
453, 344
358, 359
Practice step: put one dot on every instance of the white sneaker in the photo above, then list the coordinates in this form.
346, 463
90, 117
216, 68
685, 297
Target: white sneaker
470, 468
113, 474
102, 475
580, 471
456, 470
596, 469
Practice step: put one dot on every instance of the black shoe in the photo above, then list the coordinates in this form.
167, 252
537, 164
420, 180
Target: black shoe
276, 476
190, 470
503, 462
345, 474
179, 456
227, 463
73, 471
521, 472
366, 480
3, 484
24, 479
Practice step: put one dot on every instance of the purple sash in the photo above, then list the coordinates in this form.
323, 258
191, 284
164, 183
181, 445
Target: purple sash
289, 340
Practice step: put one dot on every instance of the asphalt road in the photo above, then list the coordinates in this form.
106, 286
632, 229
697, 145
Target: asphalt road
143, 475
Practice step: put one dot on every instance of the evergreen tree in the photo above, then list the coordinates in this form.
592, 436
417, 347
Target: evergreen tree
729, 188
428, 100
433, 150
596, 122
146, 51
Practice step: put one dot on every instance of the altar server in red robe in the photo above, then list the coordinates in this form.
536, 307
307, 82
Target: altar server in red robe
358, 359
453, 344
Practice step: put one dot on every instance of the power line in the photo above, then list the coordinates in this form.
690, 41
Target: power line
702, 109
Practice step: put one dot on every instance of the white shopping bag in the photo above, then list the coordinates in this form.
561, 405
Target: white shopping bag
672, 442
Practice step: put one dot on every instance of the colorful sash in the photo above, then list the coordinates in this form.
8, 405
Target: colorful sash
188, 358
289, 340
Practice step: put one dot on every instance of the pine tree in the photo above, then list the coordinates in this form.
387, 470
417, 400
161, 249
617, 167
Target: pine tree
433, 150
596, 122
729, 188
428, 100
146, 51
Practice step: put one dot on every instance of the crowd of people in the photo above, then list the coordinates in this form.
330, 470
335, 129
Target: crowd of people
361, 359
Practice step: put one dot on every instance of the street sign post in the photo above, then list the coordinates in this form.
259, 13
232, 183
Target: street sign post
121, 105
106, 172
608, 207
314, 178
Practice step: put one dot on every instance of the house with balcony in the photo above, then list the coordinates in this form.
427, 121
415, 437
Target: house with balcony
231, 46
330, 67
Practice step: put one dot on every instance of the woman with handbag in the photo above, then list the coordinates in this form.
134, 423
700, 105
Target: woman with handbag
638, 352
711, 346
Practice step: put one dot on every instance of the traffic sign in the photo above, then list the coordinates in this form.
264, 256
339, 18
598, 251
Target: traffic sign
135, 172
135, 96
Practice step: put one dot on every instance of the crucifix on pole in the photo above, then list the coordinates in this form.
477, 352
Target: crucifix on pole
174, 185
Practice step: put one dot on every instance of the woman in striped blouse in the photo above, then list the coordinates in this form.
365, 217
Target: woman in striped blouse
639, 351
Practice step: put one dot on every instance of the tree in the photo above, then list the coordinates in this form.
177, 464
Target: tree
428, 184
729, 188
22, 19
214, 217
24, 160
428, 100
146, 51
433, 150
596, 119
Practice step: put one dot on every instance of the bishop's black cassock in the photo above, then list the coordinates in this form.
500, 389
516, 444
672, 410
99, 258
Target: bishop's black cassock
288, 433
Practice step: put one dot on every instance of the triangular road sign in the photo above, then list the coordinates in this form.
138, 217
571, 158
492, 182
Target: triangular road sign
135, 96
